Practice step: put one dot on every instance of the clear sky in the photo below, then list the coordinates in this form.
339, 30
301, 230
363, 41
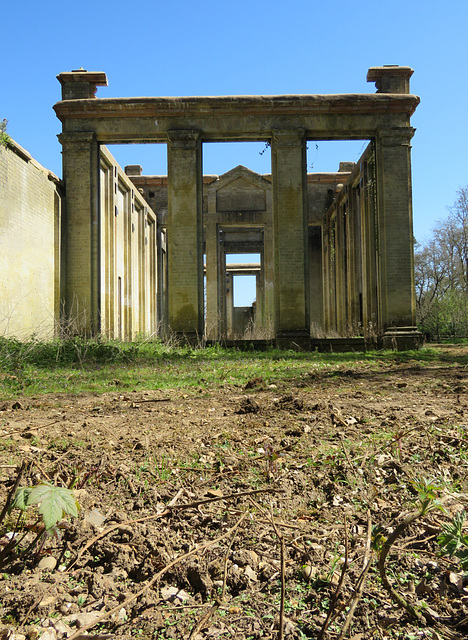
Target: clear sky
203, 47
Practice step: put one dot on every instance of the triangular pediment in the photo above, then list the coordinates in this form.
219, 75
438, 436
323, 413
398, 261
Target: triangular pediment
240, 172
241, 195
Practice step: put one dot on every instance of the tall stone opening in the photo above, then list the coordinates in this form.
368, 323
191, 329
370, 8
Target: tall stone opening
237, 237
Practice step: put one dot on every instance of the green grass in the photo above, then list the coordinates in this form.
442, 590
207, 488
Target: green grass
77, 365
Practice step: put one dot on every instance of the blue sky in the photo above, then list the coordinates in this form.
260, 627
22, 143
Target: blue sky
246, 47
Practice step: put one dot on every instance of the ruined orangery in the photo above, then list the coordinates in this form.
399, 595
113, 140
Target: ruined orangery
332, 252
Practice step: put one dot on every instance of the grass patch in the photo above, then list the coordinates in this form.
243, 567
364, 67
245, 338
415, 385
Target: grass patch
77, 365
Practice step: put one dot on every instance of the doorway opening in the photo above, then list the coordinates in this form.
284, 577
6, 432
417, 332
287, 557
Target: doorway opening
236, 219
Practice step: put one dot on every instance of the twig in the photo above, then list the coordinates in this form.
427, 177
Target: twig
203, 620
44, 426
283, 563
223, 591
44, 473
446, 437
35, 604
361, 580
338, 588
283, 524
350, 464
151, 400
157, 576
283, 575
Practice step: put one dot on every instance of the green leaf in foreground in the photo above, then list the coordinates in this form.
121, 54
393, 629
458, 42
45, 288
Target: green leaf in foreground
21, 499
53, 503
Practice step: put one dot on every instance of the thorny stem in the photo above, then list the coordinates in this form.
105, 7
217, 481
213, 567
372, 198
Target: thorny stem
420, 615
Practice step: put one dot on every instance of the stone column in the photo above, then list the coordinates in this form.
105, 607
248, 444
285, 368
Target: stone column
80, 155
290, 237
214, 324
229, 278
395, 236
369, 251
268, 269
316, 278
184, 234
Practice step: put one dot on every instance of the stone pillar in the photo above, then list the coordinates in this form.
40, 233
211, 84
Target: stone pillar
214, 324
341, 259
369, 251
290, 237
80, 154
316, 278
395, 236
268, 271
260, 299
229, 305
184, 234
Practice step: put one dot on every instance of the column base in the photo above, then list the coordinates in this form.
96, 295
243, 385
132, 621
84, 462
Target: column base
191, 338
402, 338
295, 340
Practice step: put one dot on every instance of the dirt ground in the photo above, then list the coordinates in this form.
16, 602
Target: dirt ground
213, 513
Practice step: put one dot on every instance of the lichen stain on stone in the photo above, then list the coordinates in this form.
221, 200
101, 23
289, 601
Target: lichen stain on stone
186, 317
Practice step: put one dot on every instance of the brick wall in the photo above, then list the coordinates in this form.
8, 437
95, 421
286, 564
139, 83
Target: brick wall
30, 206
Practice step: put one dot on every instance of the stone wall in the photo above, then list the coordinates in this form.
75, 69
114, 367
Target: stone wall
127, 256
35, 253
30, 211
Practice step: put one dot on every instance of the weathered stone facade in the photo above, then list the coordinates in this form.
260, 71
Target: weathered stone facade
350, 271
30, 214
237, 218
39, 242
336, 250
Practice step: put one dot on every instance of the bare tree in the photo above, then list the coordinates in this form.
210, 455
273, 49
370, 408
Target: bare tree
441, 274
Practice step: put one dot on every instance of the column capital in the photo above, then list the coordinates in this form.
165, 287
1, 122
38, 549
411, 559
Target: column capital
288, 137
83, 137
395, 137
183, 138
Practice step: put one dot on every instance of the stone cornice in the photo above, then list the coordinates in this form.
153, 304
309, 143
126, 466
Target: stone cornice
205, 106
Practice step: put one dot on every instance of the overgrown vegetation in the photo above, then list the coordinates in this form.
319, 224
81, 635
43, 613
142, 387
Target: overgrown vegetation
4, 137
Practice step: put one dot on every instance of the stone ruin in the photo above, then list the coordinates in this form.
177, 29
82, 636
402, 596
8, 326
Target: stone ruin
147, 254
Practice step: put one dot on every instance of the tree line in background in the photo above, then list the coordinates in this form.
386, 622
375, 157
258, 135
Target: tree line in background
441, 275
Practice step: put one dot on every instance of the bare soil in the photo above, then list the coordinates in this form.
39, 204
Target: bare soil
199, 507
